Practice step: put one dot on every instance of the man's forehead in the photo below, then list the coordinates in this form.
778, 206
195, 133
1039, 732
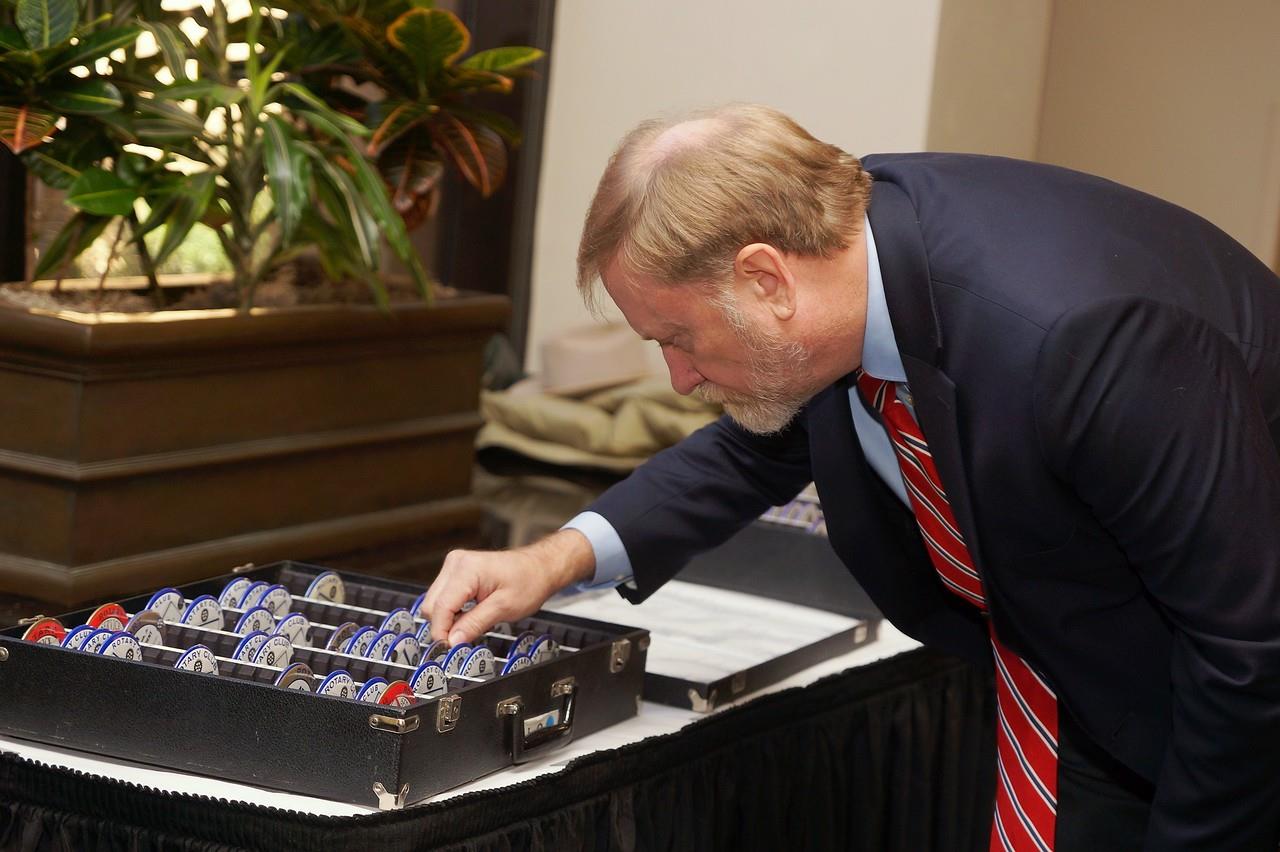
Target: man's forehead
654, 310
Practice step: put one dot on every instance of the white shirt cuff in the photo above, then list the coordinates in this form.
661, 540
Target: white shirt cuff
613, 566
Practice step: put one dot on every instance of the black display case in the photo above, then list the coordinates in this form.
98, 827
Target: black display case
241, 727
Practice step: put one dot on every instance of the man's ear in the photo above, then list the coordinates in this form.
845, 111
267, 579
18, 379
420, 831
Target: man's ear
762, 275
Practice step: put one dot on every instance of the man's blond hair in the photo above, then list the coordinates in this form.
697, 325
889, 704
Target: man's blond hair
680, 197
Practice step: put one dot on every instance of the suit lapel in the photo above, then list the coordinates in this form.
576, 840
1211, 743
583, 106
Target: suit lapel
909, 294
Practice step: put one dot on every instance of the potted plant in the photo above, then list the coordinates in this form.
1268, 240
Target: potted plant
162, 446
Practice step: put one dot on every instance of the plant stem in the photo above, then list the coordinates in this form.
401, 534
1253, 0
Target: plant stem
102, 279
148, 265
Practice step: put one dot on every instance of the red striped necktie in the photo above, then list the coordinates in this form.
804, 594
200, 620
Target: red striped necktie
1026, 709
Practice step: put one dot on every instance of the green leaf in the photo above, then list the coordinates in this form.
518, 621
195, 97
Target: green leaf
88, 97
319, 107
59, 162
502, 59
93, 46
261, 79
23, 127
344, 203
399, 121
161, 120
174, 47
195, 90
374, 192
431, 38
76, 236
45, 23
100, 192
11, 39
49, 170
188, 210
278, 158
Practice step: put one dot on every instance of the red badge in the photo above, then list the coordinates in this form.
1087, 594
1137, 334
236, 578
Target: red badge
103, 615
46, 631
398, 694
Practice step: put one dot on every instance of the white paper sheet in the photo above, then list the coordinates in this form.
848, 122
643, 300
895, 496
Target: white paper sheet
703, 634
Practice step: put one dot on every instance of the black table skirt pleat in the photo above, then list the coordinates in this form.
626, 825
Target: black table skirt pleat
897, 755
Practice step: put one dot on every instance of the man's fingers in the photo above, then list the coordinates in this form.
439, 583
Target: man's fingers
473, 623
456, 585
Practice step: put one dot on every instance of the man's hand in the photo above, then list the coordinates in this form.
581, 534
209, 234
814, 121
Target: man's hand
505, 584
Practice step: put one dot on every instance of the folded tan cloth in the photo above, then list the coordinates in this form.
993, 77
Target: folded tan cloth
614, 429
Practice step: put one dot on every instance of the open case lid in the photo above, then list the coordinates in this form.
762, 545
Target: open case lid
772, 601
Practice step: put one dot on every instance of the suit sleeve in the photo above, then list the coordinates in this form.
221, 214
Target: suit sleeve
695, 495
1150, 414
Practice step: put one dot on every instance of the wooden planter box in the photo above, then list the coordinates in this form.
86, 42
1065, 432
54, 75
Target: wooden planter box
145, 450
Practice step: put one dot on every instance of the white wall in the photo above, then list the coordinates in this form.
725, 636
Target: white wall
1180, 98
988, 78
856, 73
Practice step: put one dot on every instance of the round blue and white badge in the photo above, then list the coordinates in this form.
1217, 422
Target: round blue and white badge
522, 644
341, 636
254, 618
198, 659
249, 646
517, 664
424, 633
94, 641
296, 626
254, 593
545, 648
75, 636
456, 657
296, 676
480, 663
233, 593
436, 650
358, 645
404, 650
416, 609
338, 684
327, 586
429, 679
147, 627
380, 645
275, 653
203, 612
277, 599
398, 621
167, 603
372, 690
122, 645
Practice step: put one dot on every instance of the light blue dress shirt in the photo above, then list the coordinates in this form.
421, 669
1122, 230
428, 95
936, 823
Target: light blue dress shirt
880, 358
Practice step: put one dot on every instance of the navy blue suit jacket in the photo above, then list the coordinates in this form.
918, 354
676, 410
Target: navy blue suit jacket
1097, 373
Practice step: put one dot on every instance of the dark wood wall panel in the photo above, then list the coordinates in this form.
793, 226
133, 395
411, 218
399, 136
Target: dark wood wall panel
13, 217
487, 244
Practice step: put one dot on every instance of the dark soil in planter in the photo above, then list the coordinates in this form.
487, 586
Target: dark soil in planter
301, 282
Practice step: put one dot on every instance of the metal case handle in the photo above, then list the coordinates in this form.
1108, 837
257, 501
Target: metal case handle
526, 747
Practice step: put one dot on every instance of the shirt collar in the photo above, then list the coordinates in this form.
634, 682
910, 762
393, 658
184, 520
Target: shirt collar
880, 355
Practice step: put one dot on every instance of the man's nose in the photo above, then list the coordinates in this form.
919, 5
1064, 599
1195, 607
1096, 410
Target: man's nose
684, 378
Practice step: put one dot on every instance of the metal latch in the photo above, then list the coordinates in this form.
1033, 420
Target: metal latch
394, 724
388, 801
738, 683
448, 710
243, 569
4, 654
23, 622
619, 655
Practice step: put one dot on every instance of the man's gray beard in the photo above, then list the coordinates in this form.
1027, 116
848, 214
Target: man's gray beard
776, 396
